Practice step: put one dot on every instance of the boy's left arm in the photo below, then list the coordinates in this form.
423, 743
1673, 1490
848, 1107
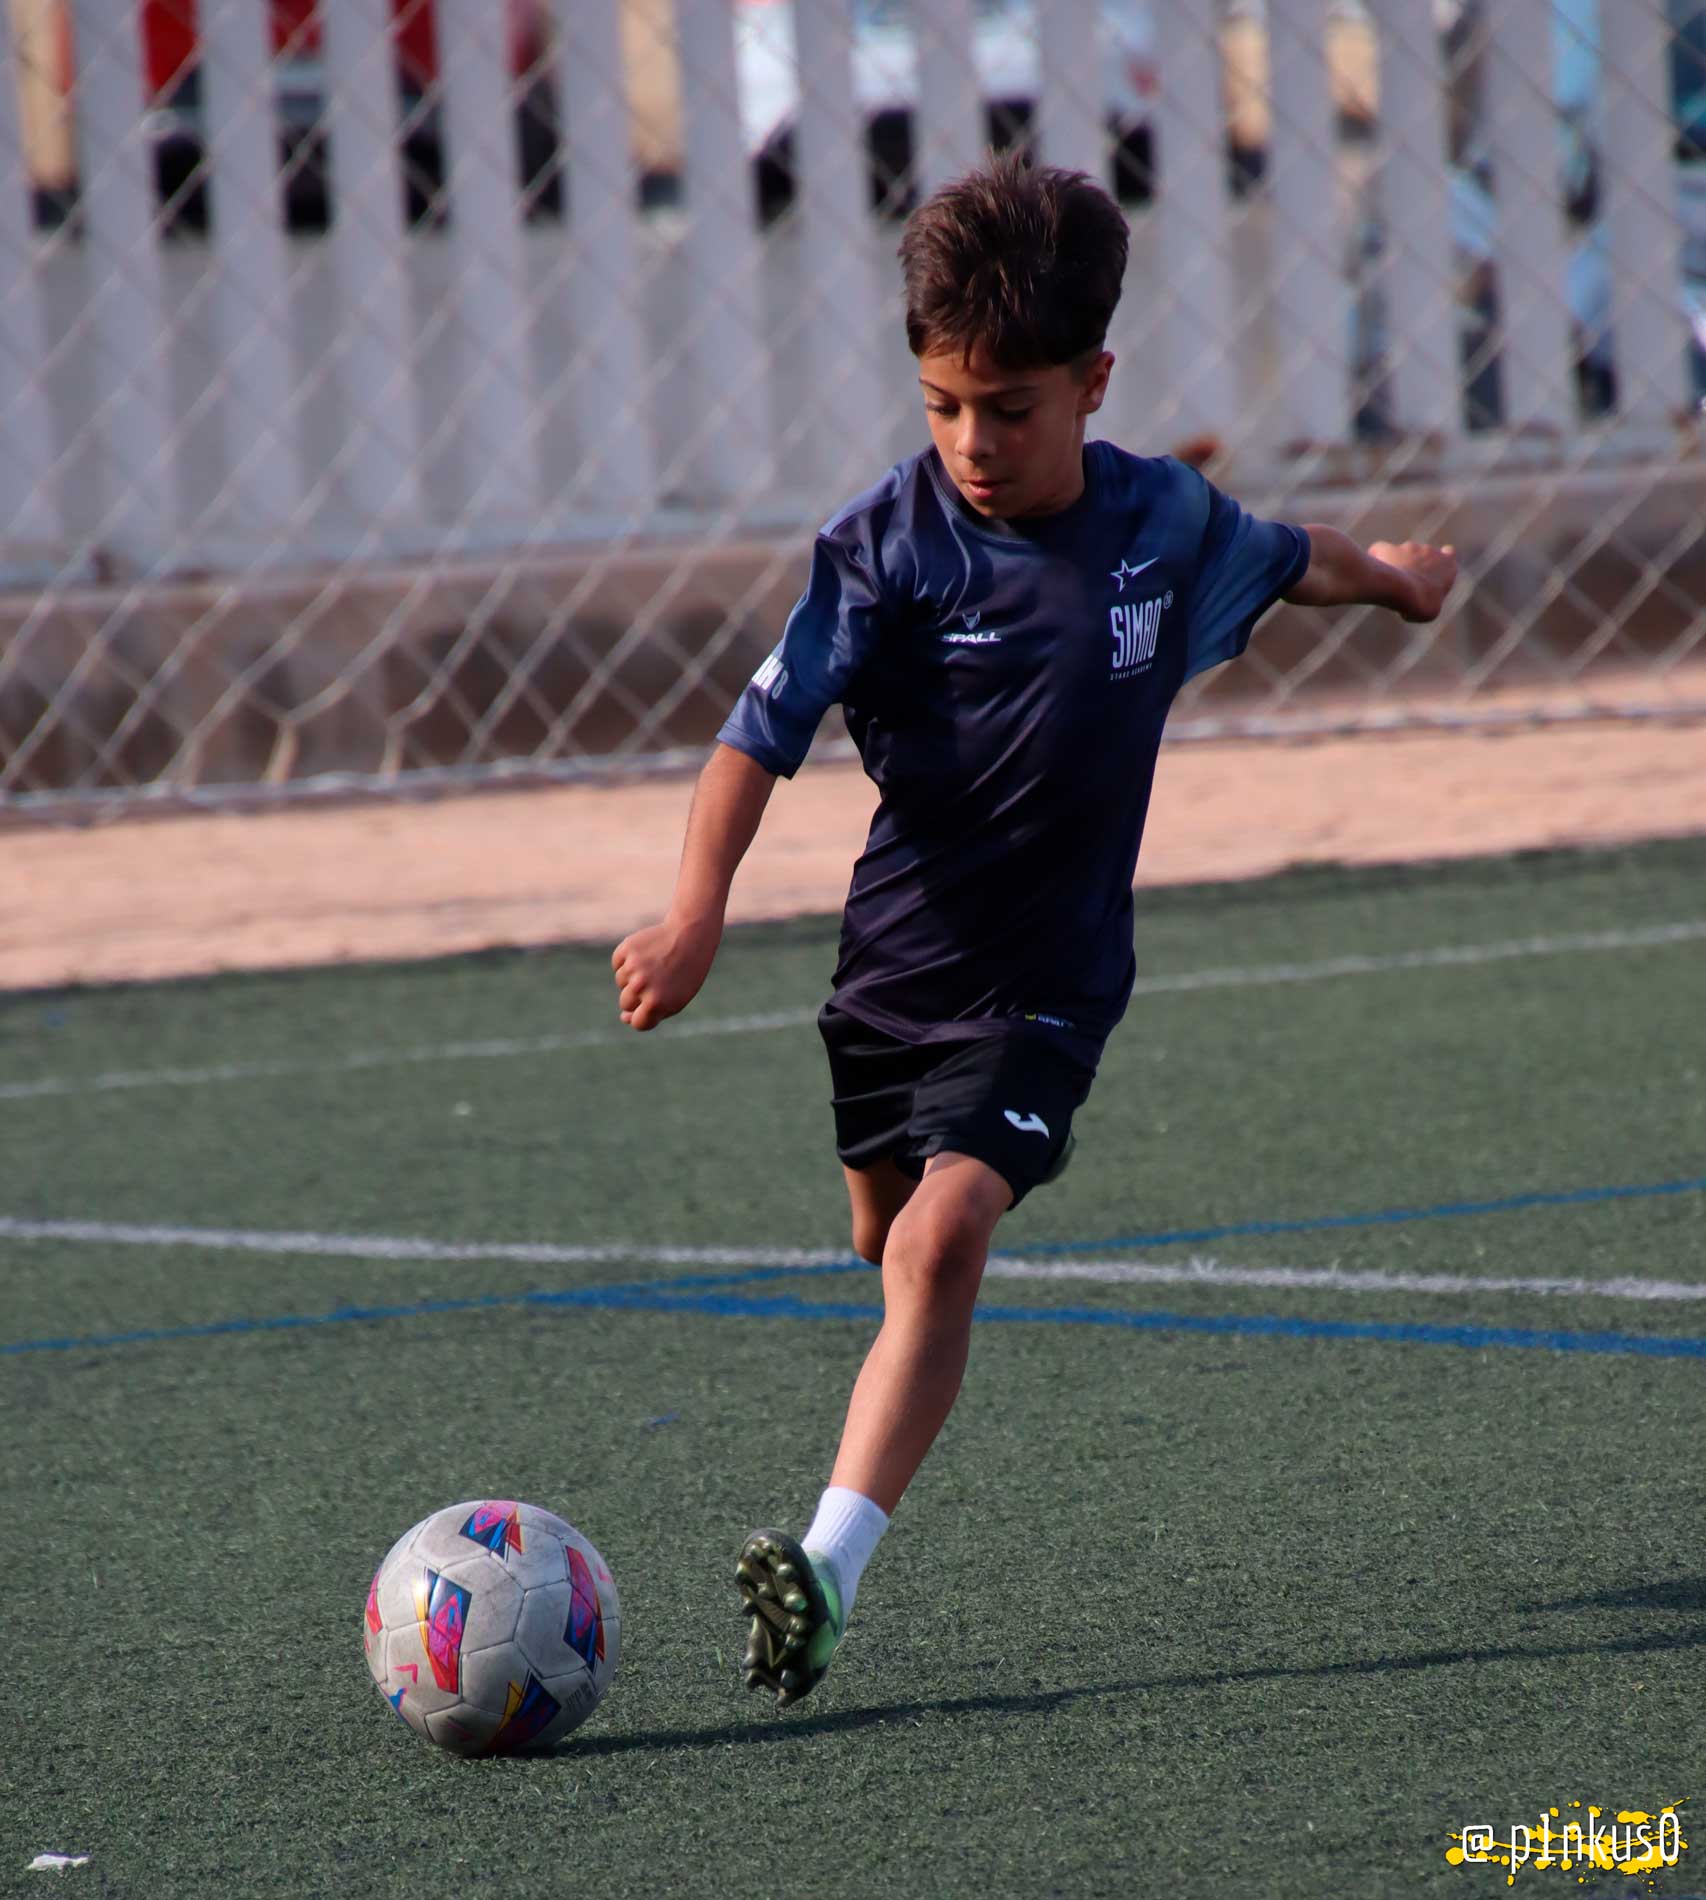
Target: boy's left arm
1410, 577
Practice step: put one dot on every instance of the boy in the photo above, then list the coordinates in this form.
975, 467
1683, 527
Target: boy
1006, 619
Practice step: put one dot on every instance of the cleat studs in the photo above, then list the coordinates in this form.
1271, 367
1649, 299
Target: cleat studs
796, 1601
786, 1573
790, 1678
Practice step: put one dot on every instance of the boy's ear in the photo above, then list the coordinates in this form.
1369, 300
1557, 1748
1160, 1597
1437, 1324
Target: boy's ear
1094, 385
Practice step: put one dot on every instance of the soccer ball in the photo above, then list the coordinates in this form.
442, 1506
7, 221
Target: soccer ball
492, 1626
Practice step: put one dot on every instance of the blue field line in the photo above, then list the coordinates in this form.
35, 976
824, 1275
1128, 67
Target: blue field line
669, 1297
756, 1276
1385, 1217
635, 1293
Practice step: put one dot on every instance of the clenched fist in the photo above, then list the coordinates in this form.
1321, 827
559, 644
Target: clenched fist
659, 970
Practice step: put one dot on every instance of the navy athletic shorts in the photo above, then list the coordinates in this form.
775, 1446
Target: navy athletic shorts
1006, 1100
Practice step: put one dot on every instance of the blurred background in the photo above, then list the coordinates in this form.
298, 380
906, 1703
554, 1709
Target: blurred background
412, 392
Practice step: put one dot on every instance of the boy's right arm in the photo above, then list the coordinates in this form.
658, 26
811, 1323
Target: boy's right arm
833, 625
659, 970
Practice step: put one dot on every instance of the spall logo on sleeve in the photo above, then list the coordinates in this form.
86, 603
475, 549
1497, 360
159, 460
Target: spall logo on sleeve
441, 1608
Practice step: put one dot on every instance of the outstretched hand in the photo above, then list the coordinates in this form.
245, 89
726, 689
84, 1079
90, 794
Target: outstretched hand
659, 971
1429, 570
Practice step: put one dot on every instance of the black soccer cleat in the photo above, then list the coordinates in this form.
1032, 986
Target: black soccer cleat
795, 1613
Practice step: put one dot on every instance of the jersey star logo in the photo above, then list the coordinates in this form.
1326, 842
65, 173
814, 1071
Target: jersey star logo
1124, 573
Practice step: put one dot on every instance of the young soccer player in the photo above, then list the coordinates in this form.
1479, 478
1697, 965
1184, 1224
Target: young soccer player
1006, 619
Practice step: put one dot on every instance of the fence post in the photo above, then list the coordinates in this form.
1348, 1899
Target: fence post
1533, 324
1639, 209
844, 391
380, 447
139, 506
1073, 54
1311, 298
1417, 262
488, 287
607, 402
727, 447
29, 504
948, 133
1198, 369
252, 302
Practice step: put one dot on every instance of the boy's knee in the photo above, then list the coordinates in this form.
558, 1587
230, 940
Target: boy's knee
936, 1247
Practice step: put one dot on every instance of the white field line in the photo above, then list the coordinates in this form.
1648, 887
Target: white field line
1202, 1272
1238, 976
403, 1247
1192, 1272
497, 1048
1443, 956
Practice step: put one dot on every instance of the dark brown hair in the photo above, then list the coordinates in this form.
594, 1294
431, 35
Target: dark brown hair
1026, 261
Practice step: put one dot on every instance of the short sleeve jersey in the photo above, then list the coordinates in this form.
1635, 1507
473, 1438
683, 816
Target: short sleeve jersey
1006, 687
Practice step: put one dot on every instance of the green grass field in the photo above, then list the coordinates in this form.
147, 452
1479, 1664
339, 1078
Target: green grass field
1259, 1580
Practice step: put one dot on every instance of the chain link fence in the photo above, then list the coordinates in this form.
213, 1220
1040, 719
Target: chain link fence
397, 393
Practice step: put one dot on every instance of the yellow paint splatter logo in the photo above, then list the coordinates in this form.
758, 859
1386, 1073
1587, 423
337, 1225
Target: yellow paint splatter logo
1580, 1841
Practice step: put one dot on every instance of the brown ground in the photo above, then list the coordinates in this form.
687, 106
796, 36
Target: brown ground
182, 895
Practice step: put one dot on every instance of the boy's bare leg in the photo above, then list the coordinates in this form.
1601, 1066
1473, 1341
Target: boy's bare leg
876, 1195
932, 1264
797, 1596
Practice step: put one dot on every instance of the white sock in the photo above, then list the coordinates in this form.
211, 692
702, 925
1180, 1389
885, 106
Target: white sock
845, 1531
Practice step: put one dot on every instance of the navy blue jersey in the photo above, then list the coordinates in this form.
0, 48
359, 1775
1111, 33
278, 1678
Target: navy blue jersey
1006, 686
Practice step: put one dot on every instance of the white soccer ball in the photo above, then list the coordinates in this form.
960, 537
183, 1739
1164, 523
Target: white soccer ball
492, 1626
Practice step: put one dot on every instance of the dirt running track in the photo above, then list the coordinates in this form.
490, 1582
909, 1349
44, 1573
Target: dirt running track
162, 897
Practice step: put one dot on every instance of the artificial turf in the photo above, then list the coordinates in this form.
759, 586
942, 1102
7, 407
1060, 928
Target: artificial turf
1234, 1611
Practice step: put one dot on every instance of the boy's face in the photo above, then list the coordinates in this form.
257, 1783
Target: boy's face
1012, 440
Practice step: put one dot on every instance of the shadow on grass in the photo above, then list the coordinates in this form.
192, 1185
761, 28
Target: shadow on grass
847, 1721
1680, 1593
